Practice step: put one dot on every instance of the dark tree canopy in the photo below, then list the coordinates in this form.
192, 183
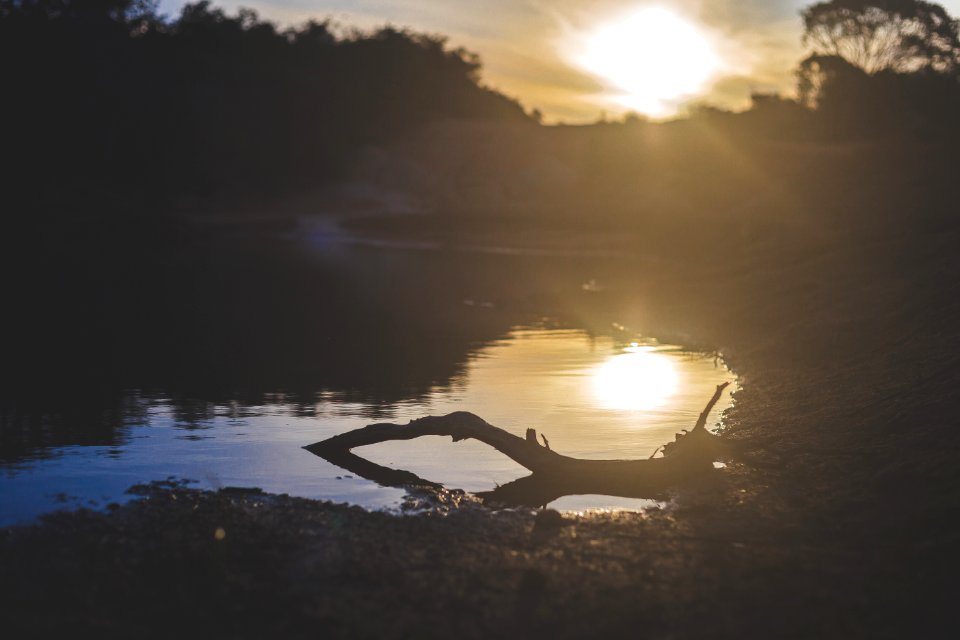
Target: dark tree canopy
823, 77
106, 96
876, 35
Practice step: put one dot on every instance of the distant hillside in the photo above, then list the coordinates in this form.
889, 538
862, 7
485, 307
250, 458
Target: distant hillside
708, 177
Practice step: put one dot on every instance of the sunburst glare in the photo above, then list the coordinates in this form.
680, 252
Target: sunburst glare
652, 58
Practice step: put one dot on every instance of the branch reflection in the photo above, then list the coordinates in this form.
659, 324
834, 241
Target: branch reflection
535, 490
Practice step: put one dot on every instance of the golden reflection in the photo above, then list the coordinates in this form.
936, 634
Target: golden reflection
654, 58
637, 380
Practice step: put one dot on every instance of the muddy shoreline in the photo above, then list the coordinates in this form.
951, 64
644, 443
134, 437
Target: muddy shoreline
242, 563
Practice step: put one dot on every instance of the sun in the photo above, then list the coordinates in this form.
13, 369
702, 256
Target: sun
652, 58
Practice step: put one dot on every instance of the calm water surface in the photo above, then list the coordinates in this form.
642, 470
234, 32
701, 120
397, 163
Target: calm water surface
218, 359
591, 396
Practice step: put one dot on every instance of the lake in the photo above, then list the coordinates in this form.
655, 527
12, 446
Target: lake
221, 369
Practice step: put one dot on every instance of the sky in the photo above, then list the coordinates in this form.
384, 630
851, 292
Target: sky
556, 56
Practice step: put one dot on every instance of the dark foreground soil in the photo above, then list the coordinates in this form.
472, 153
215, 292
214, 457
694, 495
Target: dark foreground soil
289, 567
840, 525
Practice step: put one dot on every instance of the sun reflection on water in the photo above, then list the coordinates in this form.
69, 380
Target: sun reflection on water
589, 395
639, 379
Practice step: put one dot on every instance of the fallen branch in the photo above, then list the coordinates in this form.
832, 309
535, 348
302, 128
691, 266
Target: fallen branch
554, 475
459, 425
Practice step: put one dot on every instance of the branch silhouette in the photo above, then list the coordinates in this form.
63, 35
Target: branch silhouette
691, 454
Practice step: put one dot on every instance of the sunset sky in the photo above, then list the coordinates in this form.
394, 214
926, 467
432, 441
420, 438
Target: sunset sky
563, 57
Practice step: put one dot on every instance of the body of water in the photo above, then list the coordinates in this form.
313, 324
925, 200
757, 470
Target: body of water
592, 397
219, 368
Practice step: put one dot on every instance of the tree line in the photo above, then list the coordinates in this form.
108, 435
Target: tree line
106, 100
106, 97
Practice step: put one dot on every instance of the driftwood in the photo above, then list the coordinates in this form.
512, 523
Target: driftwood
691, 454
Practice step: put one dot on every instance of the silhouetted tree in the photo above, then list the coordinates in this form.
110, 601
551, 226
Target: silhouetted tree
900, 35
881, 67
820, 76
